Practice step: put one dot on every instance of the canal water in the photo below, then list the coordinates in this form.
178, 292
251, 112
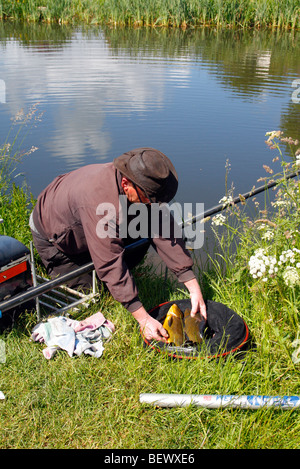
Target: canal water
204, 97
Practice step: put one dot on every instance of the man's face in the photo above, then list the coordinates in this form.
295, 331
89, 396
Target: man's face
134, 193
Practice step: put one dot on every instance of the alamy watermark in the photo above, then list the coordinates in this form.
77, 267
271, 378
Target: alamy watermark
156, 220
2, 92
296, 93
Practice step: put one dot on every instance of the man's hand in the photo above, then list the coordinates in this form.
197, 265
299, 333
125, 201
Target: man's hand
197, 301
151, 328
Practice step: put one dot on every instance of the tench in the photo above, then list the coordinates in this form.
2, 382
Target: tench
191, 327
174, 326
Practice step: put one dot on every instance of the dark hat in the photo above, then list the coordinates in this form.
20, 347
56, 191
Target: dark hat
151, 171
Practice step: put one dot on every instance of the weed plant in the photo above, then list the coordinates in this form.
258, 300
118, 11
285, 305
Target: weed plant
168, 13
84, 402
15, 199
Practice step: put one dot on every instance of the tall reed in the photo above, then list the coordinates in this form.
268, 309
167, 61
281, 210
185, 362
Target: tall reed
284, 14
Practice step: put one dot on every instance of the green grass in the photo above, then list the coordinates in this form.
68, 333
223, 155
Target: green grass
170, 13
84, 402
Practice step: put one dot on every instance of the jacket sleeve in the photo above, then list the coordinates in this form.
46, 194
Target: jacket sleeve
107, 254
172, 251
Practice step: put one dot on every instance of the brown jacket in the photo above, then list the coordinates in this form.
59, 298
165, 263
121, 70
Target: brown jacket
66, 214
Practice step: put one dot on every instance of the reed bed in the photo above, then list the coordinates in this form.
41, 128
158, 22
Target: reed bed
284, 14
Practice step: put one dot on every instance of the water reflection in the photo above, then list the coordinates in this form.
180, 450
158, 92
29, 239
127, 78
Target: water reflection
201, 96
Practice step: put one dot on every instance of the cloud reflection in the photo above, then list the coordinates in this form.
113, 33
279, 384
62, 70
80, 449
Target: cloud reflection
78, 85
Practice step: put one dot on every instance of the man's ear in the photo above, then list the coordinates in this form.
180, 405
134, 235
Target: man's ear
125, 183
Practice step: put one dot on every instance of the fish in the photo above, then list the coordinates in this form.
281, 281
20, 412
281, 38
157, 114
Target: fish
174, 325
191, 327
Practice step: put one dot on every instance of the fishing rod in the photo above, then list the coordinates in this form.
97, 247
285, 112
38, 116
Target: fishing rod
36, 291
215, 401
236, 200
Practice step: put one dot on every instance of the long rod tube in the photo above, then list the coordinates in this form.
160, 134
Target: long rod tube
213, 401
34, 292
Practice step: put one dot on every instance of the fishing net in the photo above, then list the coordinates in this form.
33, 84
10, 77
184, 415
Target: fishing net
224, 332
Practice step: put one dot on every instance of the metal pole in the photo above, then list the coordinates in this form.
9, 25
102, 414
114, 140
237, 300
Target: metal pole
36, 291
33, 292
211, 401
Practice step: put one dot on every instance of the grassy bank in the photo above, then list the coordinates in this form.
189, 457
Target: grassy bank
283, 14
94, 403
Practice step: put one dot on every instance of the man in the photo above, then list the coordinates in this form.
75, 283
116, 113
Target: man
68, 220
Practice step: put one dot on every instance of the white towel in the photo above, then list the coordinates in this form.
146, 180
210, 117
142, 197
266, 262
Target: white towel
75, 337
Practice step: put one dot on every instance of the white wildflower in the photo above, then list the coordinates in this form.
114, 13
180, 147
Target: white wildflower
289, 256
268, 235
291, 276
219, 219
260, 264
226, 200
296, 343
273, 134
280, 203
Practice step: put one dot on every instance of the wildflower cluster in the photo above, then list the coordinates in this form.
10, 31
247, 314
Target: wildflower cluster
287, 266
273, 260
266, 232
261, 265
226, 200
218, 220
274, 240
